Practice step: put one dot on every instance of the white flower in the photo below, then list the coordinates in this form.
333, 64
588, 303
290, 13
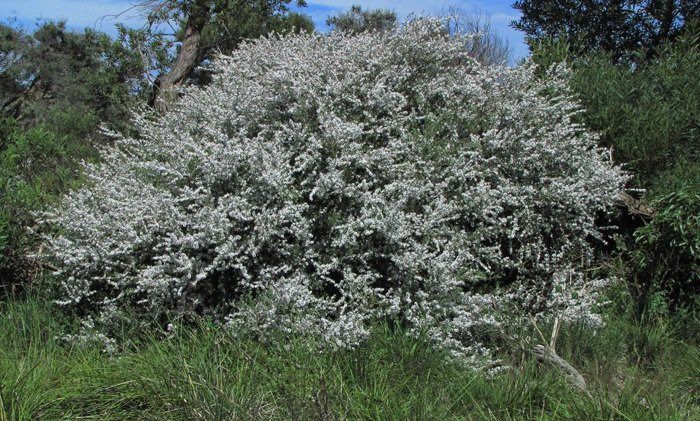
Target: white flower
322, 183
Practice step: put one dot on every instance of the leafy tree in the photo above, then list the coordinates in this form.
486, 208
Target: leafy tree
357, 20
615, 26
53, 68
206, 27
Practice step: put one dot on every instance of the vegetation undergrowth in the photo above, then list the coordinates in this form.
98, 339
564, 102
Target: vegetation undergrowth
203, 373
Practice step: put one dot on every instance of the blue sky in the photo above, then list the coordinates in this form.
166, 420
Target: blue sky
95, 13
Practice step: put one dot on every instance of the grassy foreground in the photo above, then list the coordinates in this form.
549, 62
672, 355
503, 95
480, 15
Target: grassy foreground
203, 373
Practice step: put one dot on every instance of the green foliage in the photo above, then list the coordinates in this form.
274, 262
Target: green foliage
649, 113
58, 86
616, 27
357, 20
231, 22
155, 51
292, 22
549, 51
36, 166
667, 249
54, 68
202, 373
7, 127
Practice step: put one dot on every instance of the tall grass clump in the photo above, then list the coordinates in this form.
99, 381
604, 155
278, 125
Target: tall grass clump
204, 373
321, 184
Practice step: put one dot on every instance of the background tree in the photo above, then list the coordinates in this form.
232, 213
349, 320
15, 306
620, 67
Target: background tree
204, 27
357, 20
56, 69
615, 26
487, 46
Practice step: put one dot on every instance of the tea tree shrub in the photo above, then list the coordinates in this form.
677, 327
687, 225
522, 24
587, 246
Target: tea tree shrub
322, 183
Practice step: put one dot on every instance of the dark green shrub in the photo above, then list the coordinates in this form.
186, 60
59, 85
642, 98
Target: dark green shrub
649, 114
56, 87
667, 250
55, 68
36, 166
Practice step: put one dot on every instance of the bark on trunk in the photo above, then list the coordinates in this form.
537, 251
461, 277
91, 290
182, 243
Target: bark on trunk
166, 84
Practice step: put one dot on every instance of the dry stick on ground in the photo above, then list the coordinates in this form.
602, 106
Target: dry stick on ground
548, 355
635, 206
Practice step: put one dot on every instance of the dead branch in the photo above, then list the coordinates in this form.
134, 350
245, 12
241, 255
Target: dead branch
635, 206
547, 356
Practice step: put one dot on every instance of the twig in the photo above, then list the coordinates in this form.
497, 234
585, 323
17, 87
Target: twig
538, 330
555, 334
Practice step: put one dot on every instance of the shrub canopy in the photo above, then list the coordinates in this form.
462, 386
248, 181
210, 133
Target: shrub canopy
325, 182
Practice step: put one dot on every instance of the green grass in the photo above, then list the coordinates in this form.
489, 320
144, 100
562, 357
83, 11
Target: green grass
203, 373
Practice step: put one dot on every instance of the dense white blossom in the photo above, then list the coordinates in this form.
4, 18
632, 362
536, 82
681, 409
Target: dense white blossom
325, 182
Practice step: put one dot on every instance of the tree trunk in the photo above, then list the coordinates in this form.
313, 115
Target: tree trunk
166, 84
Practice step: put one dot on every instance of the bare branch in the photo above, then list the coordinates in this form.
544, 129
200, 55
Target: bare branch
487, 47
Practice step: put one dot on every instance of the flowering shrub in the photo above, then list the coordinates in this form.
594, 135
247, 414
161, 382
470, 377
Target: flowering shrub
325, 182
